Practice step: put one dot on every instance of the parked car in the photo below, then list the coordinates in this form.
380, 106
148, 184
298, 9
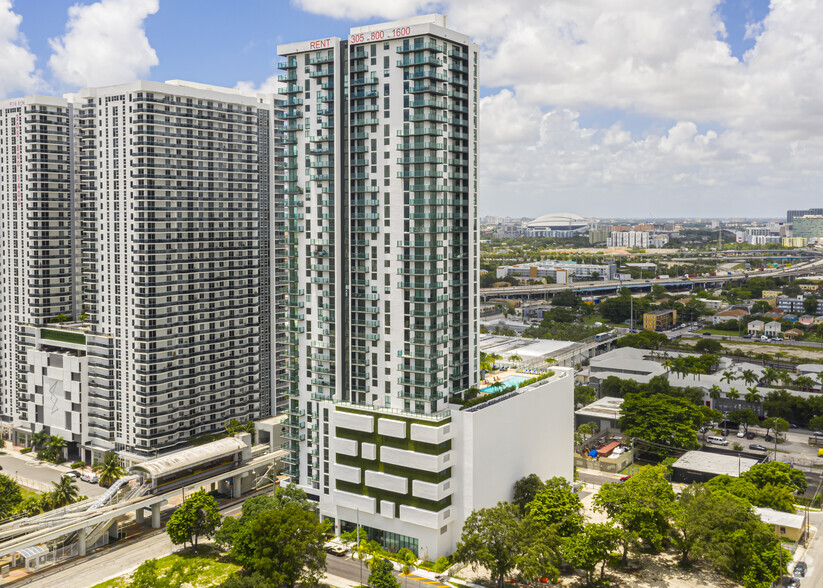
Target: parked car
741, 433
72, 474
624, 478
792, 426
757, 447
800, 569
750, 435
90, 477
769, 438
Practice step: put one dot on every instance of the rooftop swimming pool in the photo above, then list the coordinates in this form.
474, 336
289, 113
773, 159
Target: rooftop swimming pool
505, 382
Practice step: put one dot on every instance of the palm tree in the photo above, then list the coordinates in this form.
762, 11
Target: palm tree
805, 382
733, 394
785, 378
752, 396
770, 375
749, 377
65, 492
407, 559
110, 469
56, 446
39, 439
715, 393
728, 377
820, 380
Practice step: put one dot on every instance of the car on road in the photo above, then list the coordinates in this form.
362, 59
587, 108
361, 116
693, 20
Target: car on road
758, 447
624, 478
769, 438
707, 334
800, 569
72, 474
90, 477
336, 550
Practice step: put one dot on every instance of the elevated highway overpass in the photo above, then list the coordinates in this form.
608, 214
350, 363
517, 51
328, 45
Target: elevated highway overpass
606, 287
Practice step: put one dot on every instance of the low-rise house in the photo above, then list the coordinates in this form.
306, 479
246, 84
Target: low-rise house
755, 327
714, 304
728, 315
772, 329
786, 525
776, 313
806, 319
793, 334
771, 294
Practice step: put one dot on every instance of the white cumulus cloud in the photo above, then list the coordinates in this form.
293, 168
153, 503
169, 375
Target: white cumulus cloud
104, 44
17, 63
360, 9
724, 133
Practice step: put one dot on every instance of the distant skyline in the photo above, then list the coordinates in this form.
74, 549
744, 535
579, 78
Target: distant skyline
651, 109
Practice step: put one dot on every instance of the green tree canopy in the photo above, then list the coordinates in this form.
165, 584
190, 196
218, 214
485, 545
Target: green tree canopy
525, 489
492, 537
197, 517
776, 473
746, 417
10, 496
284, 544
381, 575
643, 340
557, 506
565, 298
592, 546
641, 506
664, 420
584, 395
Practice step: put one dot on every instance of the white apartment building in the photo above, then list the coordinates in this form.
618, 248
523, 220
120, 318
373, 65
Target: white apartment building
158, 250
632, 239
559, 271
381, 232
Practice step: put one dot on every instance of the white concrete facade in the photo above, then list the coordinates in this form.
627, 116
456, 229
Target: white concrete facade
454, 462
159, 250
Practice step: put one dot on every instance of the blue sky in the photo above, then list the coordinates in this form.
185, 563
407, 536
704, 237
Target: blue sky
598, 108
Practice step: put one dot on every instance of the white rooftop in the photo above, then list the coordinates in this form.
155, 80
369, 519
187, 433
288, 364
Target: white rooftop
714, 463
525, 348
186, 458
776, 517
607, 407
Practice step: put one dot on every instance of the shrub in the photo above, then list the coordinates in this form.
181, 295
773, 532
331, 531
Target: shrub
442, 564
26, 450
78, 464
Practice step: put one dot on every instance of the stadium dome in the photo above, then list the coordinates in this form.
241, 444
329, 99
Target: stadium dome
562, 221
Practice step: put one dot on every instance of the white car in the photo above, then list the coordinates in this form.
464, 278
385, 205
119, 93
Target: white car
90, 477
741, 433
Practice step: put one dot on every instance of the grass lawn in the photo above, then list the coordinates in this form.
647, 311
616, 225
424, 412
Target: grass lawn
26, 493
719, 332
213, 568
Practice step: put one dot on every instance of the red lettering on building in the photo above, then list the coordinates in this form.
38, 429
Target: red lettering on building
319, 44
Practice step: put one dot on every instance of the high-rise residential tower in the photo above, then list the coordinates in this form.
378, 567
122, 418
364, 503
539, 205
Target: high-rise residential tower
380, 225
142, 213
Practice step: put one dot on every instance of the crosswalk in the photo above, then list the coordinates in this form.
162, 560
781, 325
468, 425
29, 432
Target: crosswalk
422, 580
